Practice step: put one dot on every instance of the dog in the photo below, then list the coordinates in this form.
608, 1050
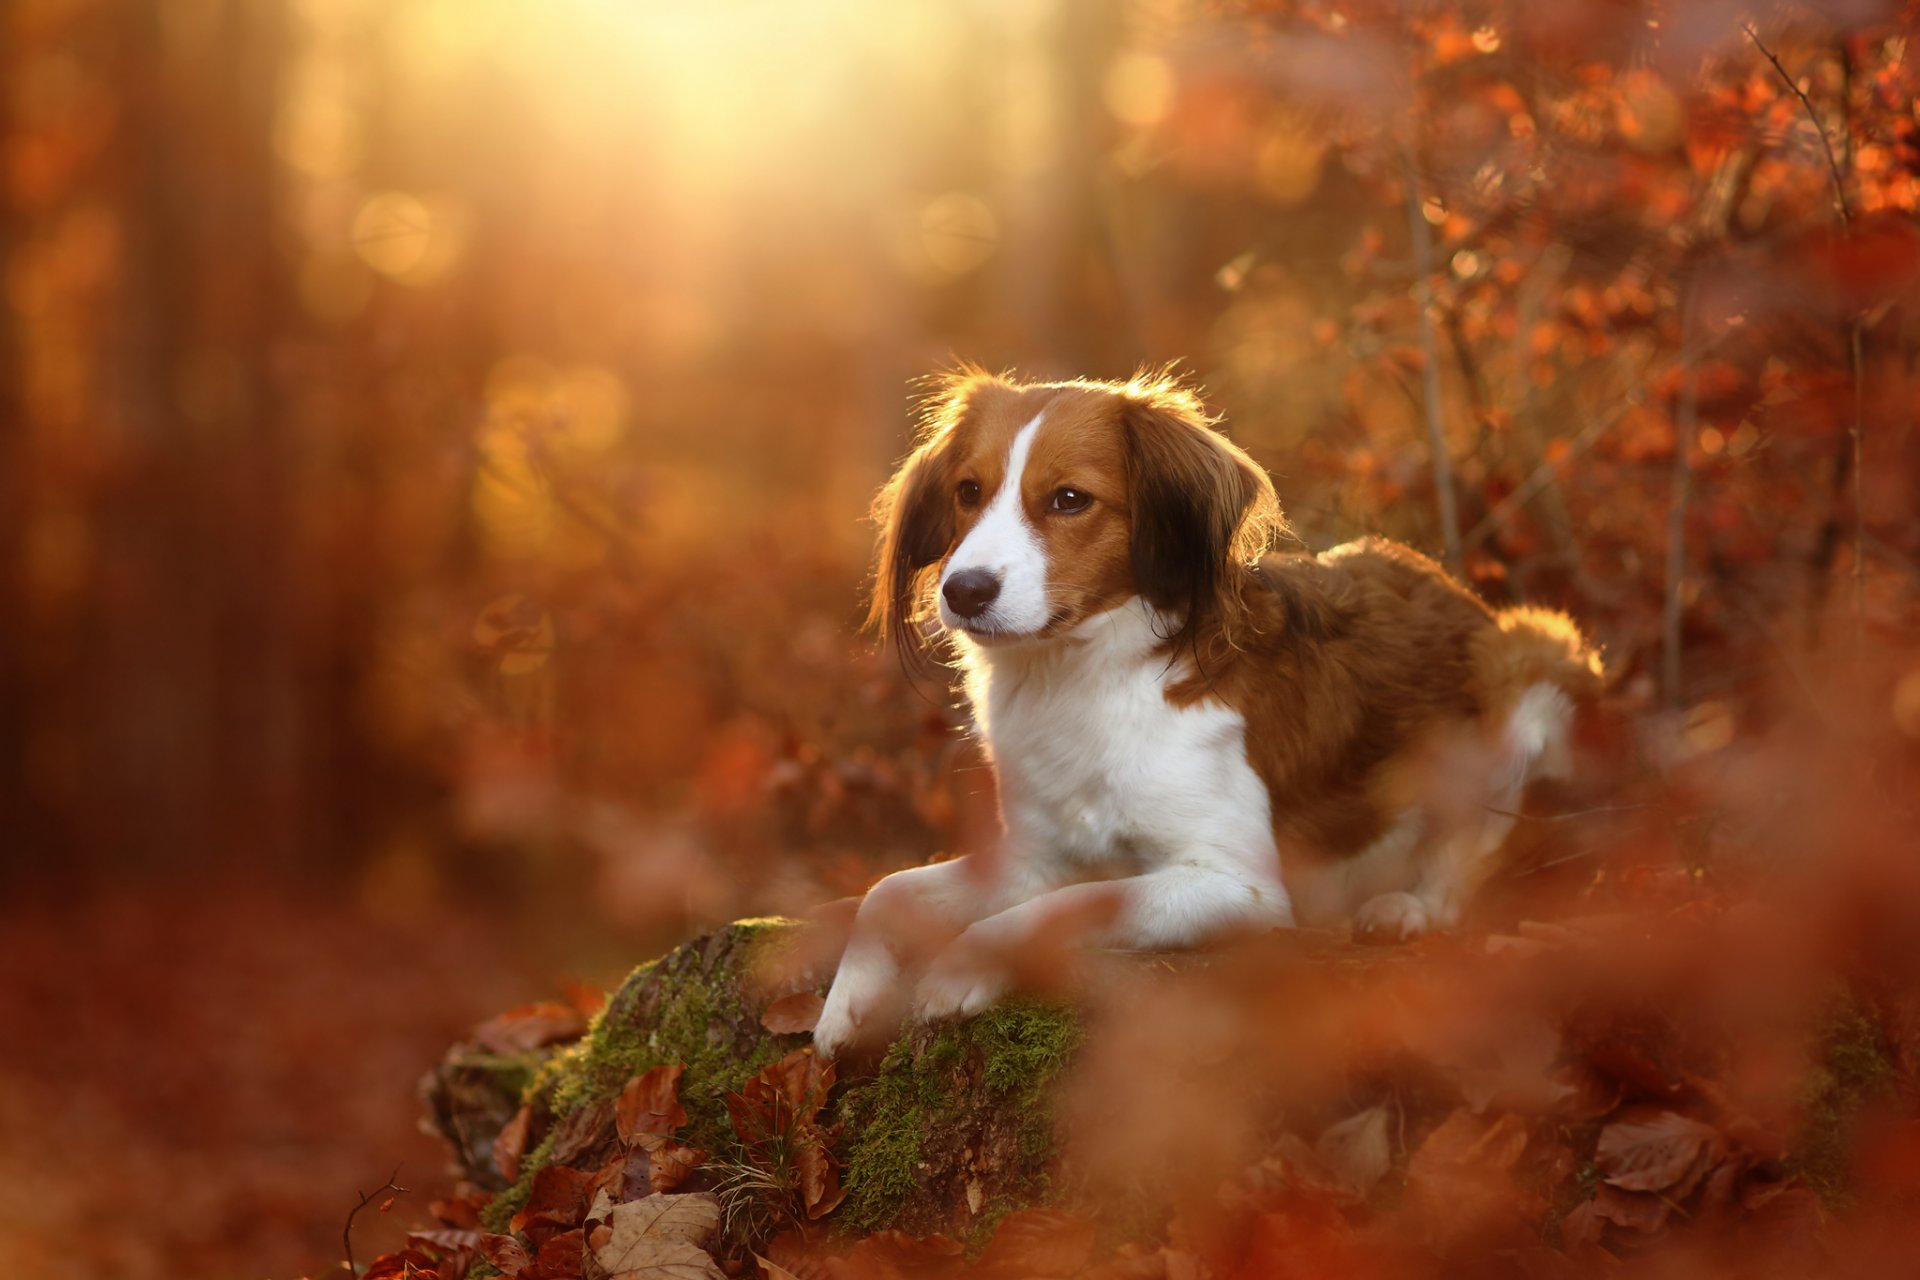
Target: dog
1192, 737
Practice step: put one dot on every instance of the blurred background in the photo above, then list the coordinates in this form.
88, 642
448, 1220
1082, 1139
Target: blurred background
438, 435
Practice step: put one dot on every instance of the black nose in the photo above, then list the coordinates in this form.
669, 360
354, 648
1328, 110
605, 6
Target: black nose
970, 591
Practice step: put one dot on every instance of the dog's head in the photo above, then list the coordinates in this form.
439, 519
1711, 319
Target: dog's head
1025, 509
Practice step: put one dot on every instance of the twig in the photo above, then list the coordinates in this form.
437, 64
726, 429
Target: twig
1542, 475
1422, 236
1853, 459
1686, 420
1826, 143
346, 1232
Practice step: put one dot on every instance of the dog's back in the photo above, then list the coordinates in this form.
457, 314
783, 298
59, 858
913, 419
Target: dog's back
1396, 719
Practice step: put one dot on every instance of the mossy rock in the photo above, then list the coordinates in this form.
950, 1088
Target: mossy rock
952, 1131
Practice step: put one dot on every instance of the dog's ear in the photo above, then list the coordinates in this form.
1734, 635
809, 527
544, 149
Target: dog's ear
1199, 506
915, 513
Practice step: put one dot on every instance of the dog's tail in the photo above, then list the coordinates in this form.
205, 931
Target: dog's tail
1535, 670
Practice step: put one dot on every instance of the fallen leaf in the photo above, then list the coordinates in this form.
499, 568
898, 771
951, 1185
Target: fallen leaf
404, 1265
461, 1211
511, 1143
1036, 1243
556, 1201
531, 1026
792, 1253
1460, 1180
1634, 1210
1357, 1150
660, 1238
559, 1258
1654, 1149
445, 1241
895, 1255
650, 1105
670, 1164
790, 1015
820, 1189
772, 1270
506, 1253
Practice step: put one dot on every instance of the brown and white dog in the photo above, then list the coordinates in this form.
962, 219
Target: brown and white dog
1191, 737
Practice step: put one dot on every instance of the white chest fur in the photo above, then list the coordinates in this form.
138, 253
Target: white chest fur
1099, 773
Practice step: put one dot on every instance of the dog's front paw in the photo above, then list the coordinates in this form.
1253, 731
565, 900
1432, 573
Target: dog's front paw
1391, 917
966, 979
857, 1005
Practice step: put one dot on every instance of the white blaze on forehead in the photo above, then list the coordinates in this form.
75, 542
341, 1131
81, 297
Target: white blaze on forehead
1006, 545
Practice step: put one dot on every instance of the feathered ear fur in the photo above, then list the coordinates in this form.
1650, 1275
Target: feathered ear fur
915, 513
1200, 507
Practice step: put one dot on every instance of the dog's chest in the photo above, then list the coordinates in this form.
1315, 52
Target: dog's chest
1096, 765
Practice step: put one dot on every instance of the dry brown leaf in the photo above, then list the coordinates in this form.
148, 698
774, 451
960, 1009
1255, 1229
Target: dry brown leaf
790, 1015
557, 1201
511, 1143
650, 1105
1357, 1151
772, 1270
559, 1258
506, 1253
895, 1255
669, 1164
1634, 1210
660, 1238
820, 1189
1654, 1149
531, 1026
1036, 1243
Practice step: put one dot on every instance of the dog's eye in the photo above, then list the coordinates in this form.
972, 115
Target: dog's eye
969, 493
1067, 500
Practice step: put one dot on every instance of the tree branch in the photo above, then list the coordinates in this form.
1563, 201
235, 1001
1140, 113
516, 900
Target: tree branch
1851, 462
367, 1198
1826, 143
1422, 237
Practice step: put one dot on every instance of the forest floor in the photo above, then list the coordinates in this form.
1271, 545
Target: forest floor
195, 1080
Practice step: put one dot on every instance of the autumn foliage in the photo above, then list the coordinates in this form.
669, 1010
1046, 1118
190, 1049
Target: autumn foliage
437, 436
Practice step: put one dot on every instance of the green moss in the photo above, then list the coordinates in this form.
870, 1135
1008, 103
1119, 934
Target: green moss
1853, 1067
500, 1210
890, 1116
692, 1024
936, 1081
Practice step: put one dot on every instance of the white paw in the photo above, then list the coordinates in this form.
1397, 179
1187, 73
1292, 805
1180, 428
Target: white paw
857, 1003
1392, 917
963, 981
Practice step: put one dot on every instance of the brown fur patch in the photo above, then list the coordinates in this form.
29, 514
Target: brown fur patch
1364, 667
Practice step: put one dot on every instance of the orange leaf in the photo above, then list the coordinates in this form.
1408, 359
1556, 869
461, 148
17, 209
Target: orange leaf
670, 1164
650, 1104
531, 1026
895, 1255
820, 1189
1653, 1149
558, 1199
1037, 1242
511, 1144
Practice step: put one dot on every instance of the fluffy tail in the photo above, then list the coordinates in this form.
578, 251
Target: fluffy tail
1535, 670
